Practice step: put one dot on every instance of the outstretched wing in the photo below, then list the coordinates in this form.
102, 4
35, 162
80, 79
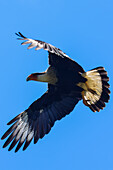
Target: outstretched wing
38, 119
57, 57
41, 45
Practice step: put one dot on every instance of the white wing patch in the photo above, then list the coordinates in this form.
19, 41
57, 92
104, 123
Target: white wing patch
41, 45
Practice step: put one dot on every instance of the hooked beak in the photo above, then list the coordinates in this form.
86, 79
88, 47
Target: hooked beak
33, 76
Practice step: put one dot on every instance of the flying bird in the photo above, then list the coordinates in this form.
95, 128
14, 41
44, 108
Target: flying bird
68, 83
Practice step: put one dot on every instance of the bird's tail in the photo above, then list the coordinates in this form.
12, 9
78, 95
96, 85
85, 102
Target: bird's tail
96, 89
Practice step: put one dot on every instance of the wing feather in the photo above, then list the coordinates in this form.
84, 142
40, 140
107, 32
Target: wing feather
38, 119
40, 44
56, 55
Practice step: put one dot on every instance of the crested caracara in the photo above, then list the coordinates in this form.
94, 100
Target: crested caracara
68, 83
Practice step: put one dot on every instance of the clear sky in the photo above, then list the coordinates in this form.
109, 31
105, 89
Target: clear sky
84, 30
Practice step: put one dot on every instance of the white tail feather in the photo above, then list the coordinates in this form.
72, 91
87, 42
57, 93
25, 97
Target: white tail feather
95, 89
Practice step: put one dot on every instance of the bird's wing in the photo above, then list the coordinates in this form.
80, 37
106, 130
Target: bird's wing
56, 56
38, 119
40, 45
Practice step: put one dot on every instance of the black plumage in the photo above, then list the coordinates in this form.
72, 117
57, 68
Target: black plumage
68, 83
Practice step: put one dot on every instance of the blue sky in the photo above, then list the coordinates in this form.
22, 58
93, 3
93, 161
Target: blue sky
84, 30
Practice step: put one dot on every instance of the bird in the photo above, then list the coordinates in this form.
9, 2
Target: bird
68, 83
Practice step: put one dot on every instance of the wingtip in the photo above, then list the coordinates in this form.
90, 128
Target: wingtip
16, 33
19, 34
16, 150
15, 119
2, 137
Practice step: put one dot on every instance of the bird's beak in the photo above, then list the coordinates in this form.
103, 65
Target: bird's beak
33, 76
42, 77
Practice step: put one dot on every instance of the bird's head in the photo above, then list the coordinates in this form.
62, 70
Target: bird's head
34, 76
43, 77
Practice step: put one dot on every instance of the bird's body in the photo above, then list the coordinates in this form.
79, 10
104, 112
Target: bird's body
68, 83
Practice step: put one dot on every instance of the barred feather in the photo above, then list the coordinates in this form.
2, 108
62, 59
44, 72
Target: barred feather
96, 89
